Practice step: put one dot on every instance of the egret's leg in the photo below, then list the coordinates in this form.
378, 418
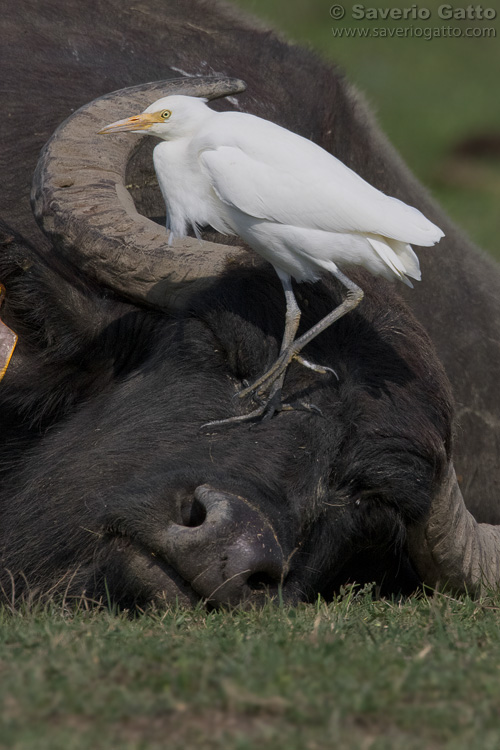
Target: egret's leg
292, 318
272, 380
354, 296
272, 402
352, 300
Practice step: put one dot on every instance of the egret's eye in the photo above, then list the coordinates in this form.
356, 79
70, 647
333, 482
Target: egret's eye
165, 114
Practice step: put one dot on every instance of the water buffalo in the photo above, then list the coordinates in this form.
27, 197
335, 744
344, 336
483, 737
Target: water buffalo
126, 347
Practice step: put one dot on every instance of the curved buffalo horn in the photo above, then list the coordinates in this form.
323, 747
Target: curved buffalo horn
452, 549
80, 200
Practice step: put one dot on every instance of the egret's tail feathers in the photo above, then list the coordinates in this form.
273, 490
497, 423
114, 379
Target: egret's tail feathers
408, 258
196, 230
410, 225
399, 257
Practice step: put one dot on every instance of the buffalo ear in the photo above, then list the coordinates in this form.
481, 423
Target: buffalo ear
74, 338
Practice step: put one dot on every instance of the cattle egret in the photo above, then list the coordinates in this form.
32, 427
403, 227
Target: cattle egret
295, 204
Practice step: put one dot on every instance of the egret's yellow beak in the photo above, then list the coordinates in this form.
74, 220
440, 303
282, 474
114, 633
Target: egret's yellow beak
137, 122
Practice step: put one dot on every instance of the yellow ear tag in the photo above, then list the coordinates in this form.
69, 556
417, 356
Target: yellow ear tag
8, 340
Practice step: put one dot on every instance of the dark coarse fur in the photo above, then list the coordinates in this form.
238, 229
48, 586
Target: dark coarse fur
102, 404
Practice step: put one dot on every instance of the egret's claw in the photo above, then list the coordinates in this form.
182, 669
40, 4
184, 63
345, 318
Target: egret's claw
266, 409
235, 420
302, 406
322, 369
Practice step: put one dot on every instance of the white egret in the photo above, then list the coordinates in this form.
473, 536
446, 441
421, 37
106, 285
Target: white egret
294, 203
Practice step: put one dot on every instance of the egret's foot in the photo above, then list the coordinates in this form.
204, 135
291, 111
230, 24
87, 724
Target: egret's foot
277, 371
265, 383
322, 369
265, 410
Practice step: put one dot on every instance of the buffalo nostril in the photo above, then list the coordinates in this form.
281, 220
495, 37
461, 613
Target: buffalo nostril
254, 564
193, 513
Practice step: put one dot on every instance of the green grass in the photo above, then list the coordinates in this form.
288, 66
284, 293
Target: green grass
428, 96
357, 673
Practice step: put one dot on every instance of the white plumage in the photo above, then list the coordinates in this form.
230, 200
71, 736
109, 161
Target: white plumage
290, 200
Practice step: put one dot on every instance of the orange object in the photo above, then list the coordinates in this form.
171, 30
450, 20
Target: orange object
8, 340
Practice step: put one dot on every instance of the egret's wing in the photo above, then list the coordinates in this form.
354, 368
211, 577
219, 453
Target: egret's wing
275, 175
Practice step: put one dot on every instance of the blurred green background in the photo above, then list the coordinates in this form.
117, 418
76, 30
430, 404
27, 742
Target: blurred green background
437, 100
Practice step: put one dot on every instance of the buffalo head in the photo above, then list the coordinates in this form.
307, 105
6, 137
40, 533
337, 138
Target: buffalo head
109, 484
